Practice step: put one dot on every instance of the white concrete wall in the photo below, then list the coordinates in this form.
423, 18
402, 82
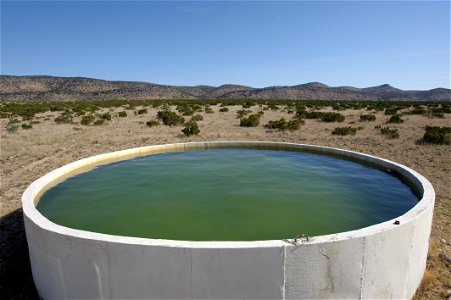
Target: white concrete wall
380, 261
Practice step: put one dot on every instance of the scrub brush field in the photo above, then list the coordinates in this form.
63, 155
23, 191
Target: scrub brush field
39, 137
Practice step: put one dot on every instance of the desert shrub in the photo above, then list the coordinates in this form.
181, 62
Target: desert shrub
11, 127
224, 109
251, 121
338, 107
142, 111
282, 124
273, 107
63, 119
170, 118
391, 111
153, 123
391, 133
367, 118
437, 135
436, 112
197, 118
395, 119
99, 122
242, 113
191, 128
86, 120
332, 117
106, 116
294, 124
185, 110
418, 111
27, 126
344, 131
248, 104
122, 114
208, 110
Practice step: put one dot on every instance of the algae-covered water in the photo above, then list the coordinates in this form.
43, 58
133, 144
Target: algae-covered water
227, 195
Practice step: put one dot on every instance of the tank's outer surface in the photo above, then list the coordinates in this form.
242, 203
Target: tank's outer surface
381, 261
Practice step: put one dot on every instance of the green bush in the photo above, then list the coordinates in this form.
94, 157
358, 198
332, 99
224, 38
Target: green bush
99, 122
106, 116
332, 117
395, 119
391, 111
63, 119
27, 126
251, 121
437, 135
86, 120
197, 118
367, 118
208, 110
153, 123
224, 109
344, 131
391, 133
241, 113
122, 114
282, 124
418, 111
170, 118
142, 111
191, 128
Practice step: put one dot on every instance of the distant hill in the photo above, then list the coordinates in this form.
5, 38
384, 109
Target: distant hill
50, 88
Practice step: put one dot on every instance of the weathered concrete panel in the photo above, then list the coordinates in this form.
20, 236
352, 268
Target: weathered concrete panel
324, 270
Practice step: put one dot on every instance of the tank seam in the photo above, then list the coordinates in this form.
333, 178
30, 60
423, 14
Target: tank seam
284, 272
362, 276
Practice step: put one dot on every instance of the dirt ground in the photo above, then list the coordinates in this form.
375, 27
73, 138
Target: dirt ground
27, 155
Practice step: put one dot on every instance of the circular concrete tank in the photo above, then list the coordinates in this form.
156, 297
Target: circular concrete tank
386, 260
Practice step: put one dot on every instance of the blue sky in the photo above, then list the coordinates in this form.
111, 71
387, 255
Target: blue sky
357, 43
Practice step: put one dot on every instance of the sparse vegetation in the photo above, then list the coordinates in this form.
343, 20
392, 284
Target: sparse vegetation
99, 122
142, 111
301, 113
282, 124
437, 135
122, 114
241, 113
197, 118
332, 117
191, 128
27, 126
224, 109
170, 118
395, 119
208, 110
11, 127
87, 120
106, 116
344, 131
153, 123
391, 133
64, 118
367, 118
251, 121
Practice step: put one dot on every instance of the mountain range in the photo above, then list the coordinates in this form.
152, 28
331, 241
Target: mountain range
51, 88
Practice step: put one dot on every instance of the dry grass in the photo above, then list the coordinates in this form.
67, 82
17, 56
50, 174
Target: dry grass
28, 154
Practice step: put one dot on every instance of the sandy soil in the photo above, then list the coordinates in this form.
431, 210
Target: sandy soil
26, 155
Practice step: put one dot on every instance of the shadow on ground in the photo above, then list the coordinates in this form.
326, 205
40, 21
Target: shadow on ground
16, 281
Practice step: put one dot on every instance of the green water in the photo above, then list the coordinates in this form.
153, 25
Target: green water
227, 195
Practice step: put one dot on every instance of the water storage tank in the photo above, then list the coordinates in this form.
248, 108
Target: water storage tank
385, 260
